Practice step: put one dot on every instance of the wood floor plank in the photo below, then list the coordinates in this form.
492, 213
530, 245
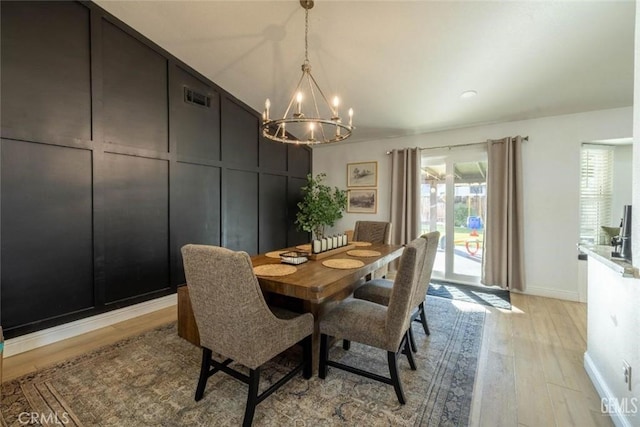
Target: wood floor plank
554, 306
571, 409
520, 301
534, 405
522, 326
578, 314
537, 305
498, 334
544, 329
568, 333
558, 367
499, 406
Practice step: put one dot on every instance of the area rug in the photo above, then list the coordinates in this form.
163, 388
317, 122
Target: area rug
150, 380
498, 298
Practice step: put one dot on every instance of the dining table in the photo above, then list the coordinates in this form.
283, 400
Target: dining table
312, 288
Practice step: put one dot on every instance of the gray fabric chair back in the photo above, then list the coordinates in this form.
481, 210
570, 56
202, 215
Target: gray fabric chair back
404, 287
372, 231
232, 316
424, 278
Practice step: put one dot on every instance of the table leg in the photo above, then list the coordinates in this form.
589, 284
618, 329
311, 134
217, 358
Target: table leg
316, 309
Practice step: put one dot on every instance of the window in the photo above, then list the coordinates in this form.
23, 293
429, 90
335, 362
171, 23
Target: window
596, 192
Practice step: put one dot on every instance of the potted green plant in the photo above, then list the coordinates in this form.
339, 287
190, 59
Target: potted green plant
320, 207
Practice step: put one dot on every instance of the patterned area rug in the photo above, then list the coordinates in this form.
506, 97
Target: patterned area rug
150, 380
493, 297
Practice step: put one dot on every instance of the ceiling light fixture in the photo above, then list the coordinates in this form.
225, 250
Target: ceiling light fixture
306, 126
468, 94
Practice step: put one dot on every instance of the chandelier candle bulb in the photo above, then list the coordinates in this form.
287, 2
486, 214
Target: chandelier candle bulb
299, 102
267, 105
284, 132
311, 128
350, 117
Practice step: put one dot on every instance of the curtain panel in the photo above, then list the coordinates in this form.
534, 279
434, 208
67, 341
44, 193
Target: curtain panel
503, 259
405, 195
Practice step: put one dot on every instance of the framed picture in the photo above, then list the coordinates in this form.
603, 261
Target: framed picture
362, 201
363, 174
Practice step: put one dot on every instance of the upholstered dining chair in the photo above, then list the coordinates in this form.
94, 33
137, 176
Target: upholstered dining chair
379, 290
377, 325
235, 321
374, 232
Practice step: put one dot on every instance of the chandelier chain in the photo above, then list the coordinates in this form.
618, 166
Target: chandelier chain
306, 34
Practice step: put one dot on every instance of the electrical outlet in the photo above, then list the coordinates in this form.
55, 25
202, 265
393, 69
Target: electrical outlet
626, 369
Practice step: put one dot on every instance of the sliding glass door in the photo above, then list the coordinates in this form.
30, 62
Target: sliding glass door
454, 193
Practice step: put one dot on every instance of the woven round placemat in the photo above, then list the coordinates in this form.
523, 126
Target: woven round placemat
305, 248
274, 254
360, 243
363, 253
273, 270
343, 264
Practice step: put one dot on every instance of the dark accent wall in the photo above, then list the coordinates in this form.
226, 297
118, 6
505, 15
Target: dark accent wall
107, 167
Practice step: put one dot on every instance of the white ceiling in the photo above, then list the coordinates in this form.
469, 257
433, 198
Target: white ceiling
402, 65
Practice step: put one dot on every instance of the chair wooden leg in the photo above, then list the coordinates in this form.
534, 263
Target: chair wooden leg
307, 371
392, 358
204, 373
252, 397
408, 352
346, 344
324, 356
423, 319
414, 348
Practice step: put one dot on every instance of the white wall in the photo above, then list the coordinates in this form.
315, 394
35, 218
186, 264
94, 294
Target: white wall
551, 163
635, 221
622, 181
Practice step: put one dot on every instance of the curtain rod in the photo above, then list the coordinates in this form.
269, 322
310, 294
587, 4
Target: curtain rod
525, 138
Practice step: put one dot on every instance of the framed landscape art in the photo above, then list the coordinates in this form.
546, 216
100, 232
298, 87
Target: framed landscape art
362, 201
362, 174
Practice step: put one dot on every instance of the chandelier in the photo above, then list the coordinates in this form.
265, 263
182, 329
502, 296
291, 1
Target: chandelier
307, 124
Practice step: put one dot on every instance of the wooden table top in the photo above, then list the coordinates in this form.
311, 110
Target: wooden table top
314, 282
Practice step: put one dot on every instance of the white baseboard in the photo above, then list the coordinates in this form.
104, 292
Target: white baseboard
619, 419
552, 293
37, 339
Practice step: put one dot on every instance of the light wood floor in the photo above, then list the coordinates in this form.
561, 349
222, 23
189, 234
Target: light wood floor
530, 371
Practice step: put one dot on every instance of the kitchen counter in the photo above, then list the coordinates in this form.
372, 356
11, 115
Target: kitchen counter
602, 253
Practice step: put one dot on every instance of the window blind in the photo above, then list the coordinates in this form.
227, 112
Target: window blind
596, 193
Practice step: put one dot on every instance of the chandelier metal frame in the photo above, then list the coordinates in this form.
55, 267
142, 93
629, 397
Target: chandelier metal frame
276, 129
